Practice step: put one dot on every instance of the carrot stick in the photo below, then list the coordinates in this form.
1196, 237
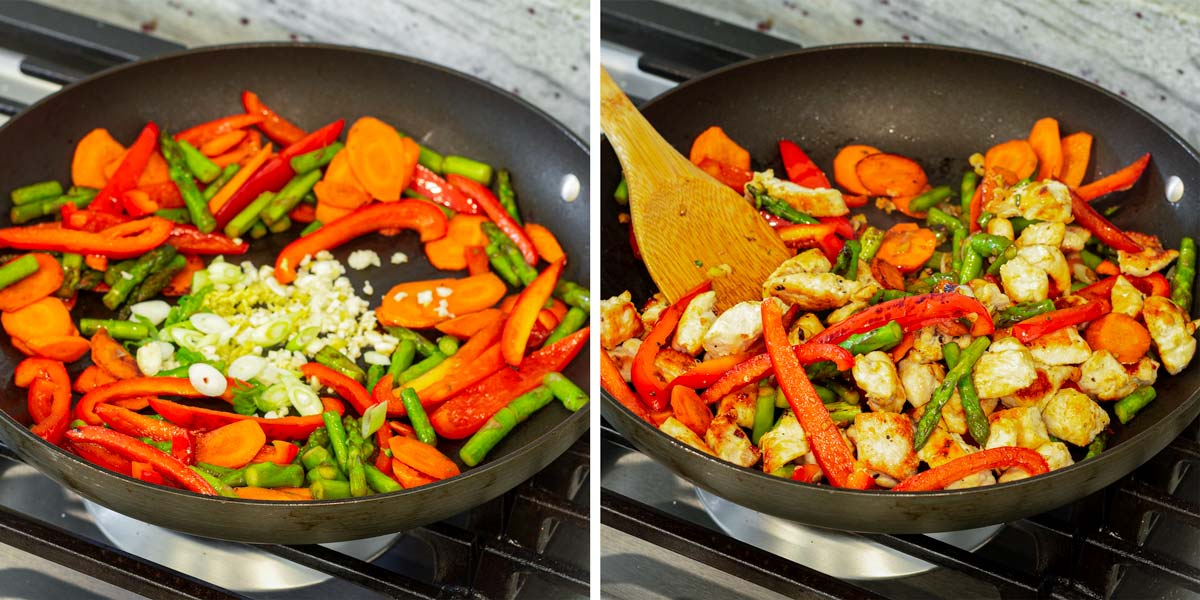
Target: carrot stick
1047, 145
408, 476
239, 179
45, 318
544, 241
92, 154
890, 175
377, 155
1014, 158
907, 247
258, 493
44, 281
113, 357
232, 445
248, 147
1120, 334
416, 304
715, 144
1076, 151
690, 410
222, 143
422, 457
467, 325
134, 404
843, 167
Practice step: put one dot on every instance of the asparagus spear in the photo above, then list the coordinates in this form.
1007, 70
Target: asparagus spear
494, 430
197, 206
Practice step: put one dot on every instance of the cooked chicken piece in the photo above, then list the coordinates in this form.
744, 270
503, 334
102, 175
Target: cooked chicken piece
943, 447
735, 330
927, 344
1105, 378
1017, 427
1006, 367
1001, 227
653, 310
989, 294
804, 328
822, 202
694, 323
623, 355
619, 321
867, 284
1126, 299
742, 404
729, 442
805, 280
1049, 233
1145, 372
1072, 416
783, 444
676, 429
1080, 272
953, 417
1047, 382
1173, 334
1050, 260
672, 363
1062, 347
1075, 238
884, 443
920, 379
876, 375
845, 312
1040, 200
1056, 454
1024, 282
1152, 258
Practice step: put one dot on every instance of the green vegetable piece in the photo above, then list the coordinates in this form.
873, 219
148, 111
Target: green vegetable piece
177, 165
374, 374
764, 412
825, 394
178, 215
311, 161
156, 282
571, 322
226, 174
507, 196
249, 217
148, 263
221, 487
501, 265
72, 267
17, 270
448, 345
235, 478
970, 181
573, 294
494, 430
289, 197
329, 489
337, 437
779, 208
200, 165
524, 271
270, 475
356, 473
941, 395
931, 199
430, 160
259, 231
1009, 316
311, 227
380, 482
621, 194
314, 457
1127, 408
330, 357
417, 417
871, 239
469, 168
424, 347
119, 330
20, 215
421, 368
977, 421
1097, 446
571, 396
1185, 275
36, 192
402, 358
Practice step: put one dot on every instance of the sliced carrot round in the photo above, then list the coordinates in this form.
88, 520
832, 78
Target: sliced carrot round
419, 304
890, 175
377, 156
43, 282
67, 348
92, 155
1015, 159
715, 144
47, 317
1047, 146
544, 241
1120, 334
907, 247
843, 167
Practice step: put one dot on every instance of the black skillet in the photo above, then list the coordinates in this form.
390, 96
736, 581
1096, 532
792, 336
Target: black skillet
313, 85
937, 105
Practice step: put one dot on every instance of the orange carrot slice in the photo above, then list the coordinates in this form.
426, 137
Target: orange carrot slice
336, 194
328, 213
67, 348
690, 410
715, 144
1076, 151
890, 175
47, 317
416, 304
92, 155
222, 143
377, 156
449, 253
408, 476
277, 495
1120, 334
467, 325
92, 378
1014, 159
43, 282
1047, 146
844, 164
907, 247
422, 457
232, 445
544, 242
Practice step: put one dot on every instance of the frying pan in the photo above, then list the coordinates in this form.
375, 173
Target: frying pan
937, 105
313, 85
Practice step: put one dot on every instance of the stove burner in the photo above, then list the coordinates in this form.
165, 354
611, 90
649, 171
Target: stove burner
826, 550
234, 566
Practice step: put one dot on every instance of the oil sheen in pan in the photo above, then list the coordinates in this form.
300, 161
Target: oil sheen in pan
826, 550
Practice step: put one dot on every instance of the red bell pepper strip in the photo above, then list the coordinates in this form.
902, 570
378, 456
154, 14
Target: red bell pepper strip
403, 429
138, 425
753, 370
1102, 228
280, 130
463, 415
204, 132
1154, 284
911, 312
108, 199
466, 373
826, 441
278, 452
994, 458
58, 394
855, 201
809, 234
188, 239
101, 456
282, 428
423, 217
646, 381
432, 186
614, 384
145, 472
976, 204
89, 220
707, 373
1035, 327
138, 451
1117, 182
304, 213
39, 368
841, 225
807, 473
276, 172
774, 221
801, 169
132, 388
383, 462
831, 246
496, 212
732, 176
350, 390
127, 240
520, 322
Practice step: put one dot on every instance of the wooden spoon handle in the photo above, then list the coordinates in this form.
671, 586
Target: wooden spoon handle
635, 141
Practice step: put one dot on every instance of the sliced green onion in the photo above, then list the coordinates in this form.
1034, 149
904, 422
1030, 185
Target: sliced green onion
373, 418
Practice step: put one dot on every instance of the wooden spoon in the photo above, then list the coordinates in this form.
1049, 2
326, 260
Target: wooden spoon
686, 222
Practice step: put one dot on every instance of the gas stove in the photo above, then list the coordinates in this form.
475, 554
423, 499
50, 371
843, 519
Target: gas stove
662, 537
531, 542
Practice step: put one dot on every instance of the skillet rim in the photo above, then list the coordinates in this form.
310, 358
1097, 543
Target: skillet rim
469, 475
1189, 404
